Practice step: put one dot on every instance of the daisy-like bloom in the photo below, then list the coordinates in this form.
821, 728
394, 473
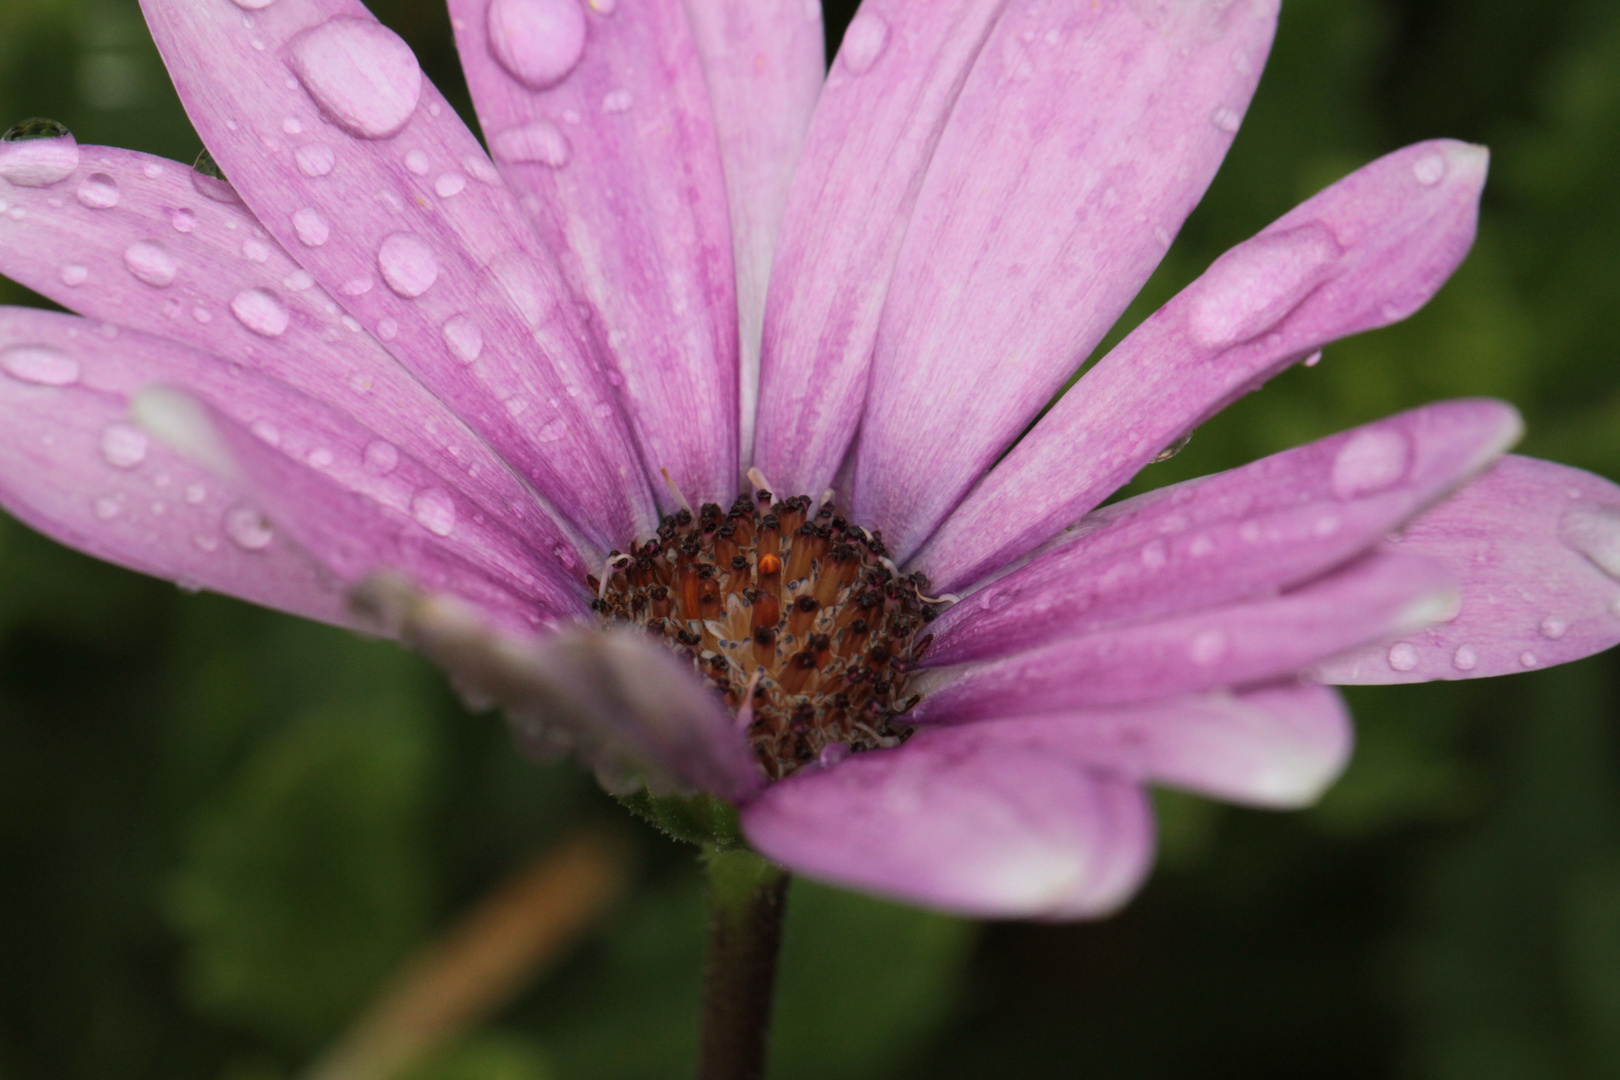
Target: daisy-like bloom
691, 429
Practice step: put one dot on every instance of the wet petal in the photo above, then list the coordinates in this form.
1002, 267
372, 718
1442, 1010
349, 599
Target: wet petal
1082, 140
1366, 252
1536, 546
1236, 645
964, 825
1279, 746
313, 108
885, 102
609, 137
235, 293
765, 63
1240, 534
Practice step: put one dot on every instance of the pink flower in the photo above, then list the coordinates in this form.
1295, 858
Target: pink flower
376, 360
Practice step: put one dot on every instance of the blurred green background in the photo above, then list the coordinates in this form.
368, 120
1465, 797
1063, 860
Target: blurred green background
222, 829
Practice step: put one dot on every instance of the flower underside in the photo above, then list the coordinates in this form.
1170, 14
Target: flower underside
800, 621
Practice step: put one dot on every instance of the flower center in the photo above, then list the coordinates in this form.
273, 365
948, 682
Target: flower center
800, 620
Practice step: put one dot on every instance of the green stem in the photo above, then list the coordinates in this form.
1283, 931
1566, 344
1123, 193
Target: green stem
747, 899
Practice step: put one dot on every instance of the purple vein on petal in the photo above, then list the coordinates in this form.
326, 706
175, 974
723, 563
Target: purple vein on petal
1364, 253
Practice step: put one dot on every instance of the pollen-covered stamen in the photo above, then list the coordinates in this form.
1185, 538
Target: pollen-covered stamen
795, 615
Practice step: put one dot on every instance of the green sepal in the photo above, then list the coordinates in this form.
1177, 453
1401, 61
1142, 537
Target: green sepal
698, 819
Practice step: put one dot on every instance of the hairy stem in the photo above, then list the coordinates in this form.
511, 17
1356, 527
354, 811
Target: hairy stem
747, 899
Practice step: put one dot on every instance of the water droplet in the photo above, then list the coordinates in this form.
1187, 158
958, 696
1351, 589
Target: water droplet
1228, 120
1255, 285
382, 457
311, 227
75, 274
107, 507
208, 180
387, 329
1594, 531
266, 432
1403, 657
1201, 545
1155, 554
1313, 359
37, 153
1553, 628
184, 220
123, 446
1430, 169
481, 168
1465, 658
417, 162
407, 264
537, 41
253, 5
261, 311
298, 280
357, 286
434, 511
864, 42
247, 528
315, 159
618, 101
254, 250
464, 338
449, 185
1208, 647
196, 493
320, 457
1370, 461
539, 141
361, 74
202, 314
553, 431
150, 262
1528, 659
40, 364
1172, 450
98, 191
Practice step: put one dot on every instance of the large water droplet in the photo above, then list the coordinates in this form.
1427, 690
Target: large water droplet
40, 364
361, 74
864, 42
37, 153
1594, 531
1370, 461
1254, 286
261, 311
123, 446
1429, 169
1403, 657
315, 159
408, 264
1465, 658
208, 179
98, 191
150, 262
449, 185
1553, 628
464, 338
382, 457
417, 162
539, 141
434, 511
255, 250
247, 528
183, 220
75, 274
537, 41
312, 229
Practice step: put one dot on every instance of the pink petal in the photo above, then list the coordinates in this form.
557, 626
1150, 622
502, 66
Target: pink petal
1366, 252
1082, 140
1240, 534
962, 825
1236, 645
211, 279
609, 137
765, 63
1279, 746
1536, 546
312, 107
885, 102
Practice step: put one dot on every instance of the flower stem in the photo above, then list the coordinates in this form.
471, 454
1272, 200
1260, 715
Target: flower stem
747, 899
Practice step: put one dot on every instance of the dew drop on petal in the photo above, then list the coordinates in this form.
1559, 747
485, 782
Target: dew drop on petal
40, 364
253, 5
434, 511
261, 311
1226, 119
407, 264
207, 180
267, 432
864, 42
299, 280
618, 101
255, 250
98, 191
150, 262
1594, 531
1370, 461
382, 457
1465, 658
1313, 359
1430, 169
361, 74
1255, 285
1553, 628
320, 457
123, 446
449, 185
387, 329
481, 168
538, 42
315, 159
196, 493
552, 431
1155, 554
247, 528
464, 338
75, 274
1528, 659
107, 507
1208, 647
539, 141
312, 229
37, 153
417, 162
184, 219
1403, 657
